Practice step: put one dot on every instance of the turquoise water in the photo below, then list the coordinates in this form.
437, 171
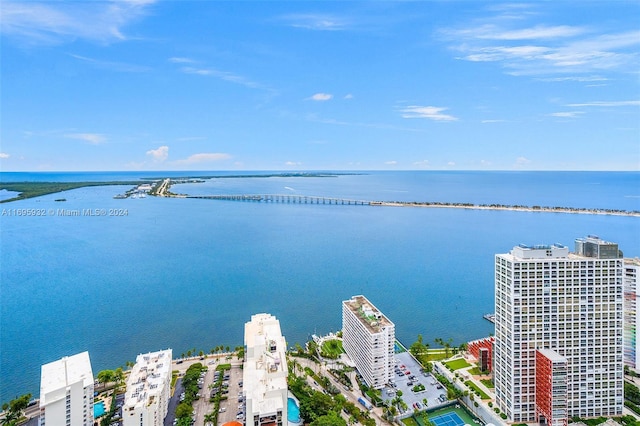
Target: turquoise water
98, 409
293, 411
188, 273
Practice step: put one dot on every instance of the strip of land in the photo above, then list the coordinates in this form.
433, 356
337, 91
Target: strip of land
37, 189
545, 209
161, 187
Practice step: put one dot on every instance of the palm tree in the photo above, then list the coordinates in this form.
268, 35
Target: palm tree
211, 417
118, 376
106, 376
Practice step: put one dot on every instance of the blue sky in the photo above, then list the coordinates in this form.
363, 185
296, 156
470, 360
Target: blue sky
319, 85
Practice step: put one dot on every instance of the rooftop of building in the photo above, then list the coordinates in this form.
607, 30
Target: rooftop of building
368, 314
265, 369
594, 239
64, 372
552, 355
147, 377
632, 261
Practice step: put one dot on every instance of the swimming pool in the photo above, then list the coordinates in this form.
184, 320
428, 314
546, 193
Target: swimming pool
98, 409
293, 411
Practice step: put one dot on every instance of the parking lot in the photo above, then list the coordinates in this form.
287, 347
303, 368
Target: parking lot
232, 408
407, 375
230, 388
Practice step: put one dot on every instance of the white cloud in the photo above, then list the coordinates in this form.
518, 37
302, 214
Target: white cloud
178, 60
423, 163
348, 96
92, 138
391, 163
575, 78
293, 164
537, 49
160, 154
115, 66
317, 22
205, 157
451, 164
4, 155
321, 97
430, 112
521, 163
493, 121
534, 33
47, 22
226, 76
567, 114
607, 104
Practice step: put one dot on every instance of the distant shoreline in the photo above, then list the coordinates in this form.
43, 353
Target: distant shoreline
161, 188
532, 209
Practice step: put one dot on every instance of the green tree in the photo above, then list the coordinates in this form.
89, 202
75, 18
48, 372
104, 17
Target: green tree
211, 417
106, 376
13, 410
330, 419
118, 376
184, 409
318, 405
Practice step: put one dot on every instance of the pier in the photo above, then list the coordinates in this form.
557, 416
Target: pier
286, 199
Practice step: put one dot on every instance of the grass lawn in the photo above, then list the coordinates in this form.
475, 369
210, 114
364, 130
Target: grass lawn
488, 383
457, 364
331, 349
409, 421
436, 354
477, 389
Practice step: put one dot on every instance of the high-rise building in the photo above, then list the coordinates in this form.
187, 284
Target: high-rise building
558, 311
368, 338
66, 392
265, 372
631, 317
146, 400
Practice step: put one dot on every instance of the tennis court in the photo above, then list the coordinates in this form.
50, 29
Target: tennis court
447, 419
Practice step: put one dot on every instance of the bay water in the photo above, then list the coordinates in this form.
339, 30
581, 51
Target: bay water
188, 273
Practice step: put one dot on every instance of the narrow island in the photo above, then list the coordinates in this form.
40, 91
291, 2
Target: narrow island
161, 187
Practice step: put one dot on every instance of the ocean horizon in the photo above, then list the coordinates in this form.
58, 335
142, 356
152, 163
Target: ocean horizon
188, 273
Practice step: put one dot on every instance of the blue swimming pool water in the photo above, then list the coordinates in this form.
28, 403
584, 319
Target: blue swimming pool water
293, 411
98, 409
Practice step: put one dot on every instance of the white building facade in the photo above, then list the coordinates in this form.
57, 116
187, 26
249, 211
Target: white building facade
265, 372
368, 338
631, 317
66, 392
568, 303
146, 400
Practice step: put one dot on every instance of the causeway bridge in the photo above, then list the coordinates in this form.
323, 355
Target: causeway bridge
286, 198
